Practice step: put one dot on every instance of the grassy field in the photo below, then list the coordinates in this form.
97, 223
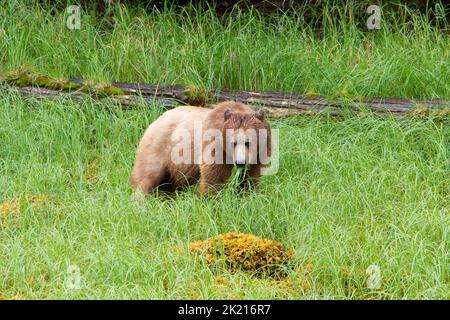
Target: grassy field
350, 192
408, 57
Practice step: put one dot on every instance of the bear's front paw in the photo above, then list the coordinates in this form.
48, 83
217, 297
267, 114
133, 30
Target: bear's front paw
138, 197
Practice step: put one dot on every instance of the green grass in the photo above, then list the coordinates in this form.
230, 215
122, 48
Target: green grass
349, 194
408, 57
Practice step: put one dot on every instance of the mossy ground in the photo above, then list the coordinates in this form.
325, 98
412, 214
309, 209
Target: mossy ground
245, 252
25, 78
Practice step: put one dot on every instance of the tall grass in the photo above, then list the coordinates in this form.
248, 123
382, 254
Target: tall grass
349, 194
408, 57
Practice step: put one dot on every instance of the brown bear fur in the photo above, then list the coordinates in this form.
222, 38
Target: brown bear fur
154, 167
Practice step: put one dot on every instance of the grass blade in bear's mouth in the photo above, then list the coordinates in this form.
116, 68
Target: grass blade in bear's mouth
237, 176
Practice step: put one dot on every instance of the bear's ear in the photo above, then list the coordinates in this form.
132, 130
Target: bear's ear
227, 114
259, 115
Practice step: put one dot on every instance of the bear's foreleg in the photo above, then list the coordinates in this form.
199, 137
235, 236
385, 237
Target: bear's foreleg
212, 178
252, 177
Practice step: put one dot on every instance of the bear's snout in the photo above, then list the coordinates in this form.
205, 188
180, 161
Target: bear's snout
241, 156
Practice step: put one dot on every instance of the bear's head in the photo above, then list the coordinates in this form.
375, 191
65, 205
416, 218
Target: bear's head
247, 138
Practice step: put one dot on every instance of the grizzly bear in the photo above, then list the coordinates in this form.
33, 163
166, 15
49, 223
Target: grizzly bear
190, 144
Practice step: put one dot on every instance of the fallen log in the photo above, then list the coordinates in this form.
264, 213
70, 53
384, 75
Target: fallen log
295, 102
275, 103
124, 100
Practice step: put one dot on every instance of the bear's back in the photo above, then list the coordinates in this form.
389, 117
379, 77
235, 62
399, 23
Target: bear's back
158, 136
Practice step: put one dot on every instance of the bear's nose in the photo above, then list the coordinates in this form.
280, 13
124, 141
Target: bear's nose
239, 159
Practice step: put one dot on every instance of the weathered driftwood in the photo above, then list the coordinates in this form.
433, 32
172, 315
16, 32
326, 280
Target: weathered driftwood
277, 104
125, 100
295, 102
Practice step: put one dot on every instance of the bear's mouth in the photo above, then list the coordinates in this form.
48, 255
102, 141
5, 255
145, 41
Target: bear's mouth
240, 165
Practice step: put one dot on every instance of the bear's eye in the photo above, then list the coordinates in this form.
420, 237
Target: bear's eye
247, 144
